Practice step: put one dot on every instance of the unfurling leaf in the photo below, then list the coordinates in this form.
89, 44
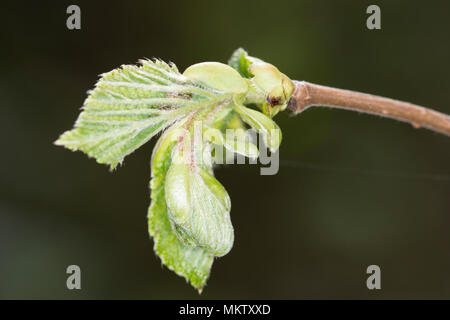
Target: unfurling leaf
219, 76
263, 124
199, 208
237, 142
192, 263
189, 215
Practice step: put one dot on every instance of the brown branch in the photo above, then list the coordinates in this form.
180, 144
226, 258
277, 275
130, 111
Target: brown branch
308, 94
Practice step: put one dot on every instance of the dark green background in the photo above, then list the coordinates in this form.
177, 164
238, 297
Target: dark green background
357, 190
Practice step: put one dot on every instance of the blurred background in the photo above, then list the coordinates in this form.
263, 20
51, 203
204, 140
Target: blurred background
352, 190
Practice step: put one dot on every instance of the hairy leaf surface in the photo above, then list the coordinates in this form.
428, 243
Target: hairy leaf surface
130, 105
192, 263
189, 215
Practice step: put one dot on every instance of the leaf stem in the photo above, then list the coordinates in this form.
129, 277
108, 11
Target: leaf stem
308, 94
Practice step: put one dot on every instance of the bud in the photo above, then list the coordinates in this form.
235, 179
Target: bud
269, 88
276, 86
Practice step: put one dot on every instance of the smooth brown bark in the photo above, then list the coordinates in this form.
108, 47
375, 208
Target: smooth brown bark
308, 94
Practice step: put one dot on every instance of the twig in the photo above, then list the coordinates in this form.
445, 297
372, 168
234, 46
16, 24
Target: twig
308, 94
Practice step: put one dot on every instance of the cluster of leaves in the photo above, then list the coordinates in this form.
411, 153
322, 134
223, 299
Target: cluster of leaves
189, 214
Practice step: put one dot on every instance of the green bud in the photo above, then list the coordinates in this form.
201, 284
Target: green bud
277, 87
269, 88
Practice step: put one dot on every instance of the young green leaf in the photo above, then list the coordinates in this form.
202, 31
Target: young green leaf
189, 214
219, 76
267, 127
192, 263
129, 106
199, 208
237, 142
241, 62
